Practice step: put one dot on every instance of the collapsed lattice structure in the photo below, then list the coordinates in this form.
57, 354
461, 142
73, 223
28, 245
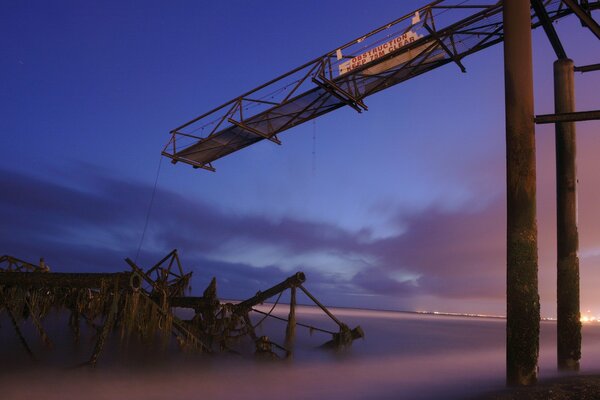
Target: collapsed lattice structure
140, 305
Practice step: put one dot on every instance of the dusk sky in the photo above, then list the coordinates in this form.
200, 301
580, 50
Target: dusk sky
401, 207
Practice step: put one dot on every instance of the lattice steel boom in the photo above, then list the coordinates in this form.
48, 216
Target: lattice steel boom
393, 53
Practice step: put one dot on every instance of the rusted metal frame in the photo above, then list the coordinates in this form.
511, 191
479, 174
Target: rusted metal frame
314, 61
462, 6
208, 167
477, 33
176, 256
241, 107
413, 70
38, 324
260, 101
62, 279
324, 110
164, 150
188, 135
340, 93
108, 326
355, 82
544, 19
586, 19
171, 266
332, 92
588, 68
295, 280
273, 138
249, 93
484, 26
15, 324
471, 20
220, 151
194, 302
174, 159
452, 55
207, 139
220, 146
314, 328
296, 115
165, 258
216, 147
321, 306
428, 16
227, 114
480, 45
290, 123
316, 112
143, 274
326, 68
300, 82
384, 27
177, 323
568, 117
453, 44
10, 260
206, 114
349, 85
448, 30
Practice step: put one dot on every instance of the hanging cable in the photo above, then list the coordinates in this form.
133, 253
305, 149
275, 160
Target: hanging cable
149, 210
314, 148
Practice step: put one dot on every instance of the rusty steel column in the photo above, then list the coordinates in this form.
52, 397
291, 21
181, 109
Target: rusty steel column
567, 281
522, 299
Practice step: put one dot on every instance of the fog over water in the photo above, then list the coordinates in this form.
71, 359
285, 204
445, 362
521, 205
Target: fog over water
403, 356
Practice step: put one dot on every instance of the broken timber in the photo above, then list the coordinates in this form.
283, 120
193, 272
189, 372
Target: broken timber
142, 304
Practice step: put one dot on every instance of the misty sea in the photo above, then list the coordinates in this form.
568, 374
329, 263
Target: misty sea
403, 356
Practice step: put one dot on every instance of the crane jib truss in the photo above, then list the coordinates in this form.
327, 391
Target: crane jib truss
398, 51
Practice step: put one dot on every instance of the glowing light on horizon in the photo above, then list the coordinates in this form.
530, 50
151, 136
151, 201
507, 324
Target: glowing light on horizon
588, 318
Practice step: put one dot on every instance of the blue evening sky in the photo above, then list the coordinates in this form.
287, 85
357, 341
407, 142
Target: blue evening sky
400, 207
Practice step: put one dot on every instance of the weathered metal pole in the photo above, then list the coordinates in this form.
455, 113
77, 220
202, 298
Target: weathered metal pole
568, 316
522, 299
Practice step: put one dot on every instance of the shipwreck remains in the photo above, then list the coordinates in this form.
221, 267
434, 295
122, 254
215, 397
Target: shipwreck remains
142, 306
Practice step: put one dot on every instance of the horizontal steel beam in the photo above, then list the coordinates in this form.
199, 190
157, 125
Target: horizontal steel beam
568, 117
66, 280
586, 19
293, 281
588, 68
544, 19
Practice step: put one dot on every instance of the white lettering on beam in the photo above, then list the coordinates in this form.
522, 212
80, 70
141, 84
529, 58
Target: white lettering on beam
379, 51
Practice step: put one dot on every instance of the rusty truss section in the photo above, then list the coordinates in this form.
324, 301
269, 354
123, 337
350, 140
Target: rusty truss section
430, 37
140, 306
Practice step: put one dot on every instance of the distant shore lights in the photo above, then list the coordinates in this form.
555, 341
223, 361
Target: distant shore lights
588, 318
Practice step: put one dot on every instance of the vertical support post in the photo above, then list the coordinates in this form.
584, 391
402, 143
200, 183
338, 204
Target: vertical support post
522, 298
290, 331
567, 282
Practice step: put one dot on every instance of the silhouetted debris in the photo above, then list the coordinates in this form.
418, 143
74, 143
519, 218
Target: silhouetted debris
140, 305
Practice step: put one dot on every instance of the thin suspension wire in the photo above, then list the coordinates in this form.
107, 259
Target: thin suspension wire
314, 148
149, 210
270, 311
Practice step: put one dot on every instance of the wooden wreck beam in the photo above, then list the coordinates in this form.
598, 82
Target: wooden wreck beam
293, 281
194, 302
63, 279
